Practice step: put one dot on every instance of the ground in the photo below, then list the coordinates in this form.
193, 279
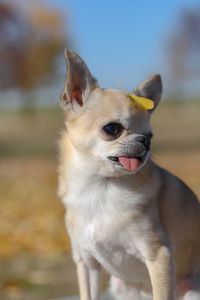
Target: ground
34, 249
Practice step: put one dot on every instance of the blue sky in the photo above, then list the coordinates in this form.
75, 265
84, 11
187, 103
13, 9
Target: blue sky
123, 42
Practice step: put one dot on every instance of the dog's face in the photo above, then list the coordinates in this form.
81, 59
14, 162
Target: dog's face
111, 135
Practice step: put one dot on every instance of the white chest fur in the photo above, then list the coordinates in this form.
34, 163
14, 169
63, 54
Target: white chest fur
110, 245
107, 225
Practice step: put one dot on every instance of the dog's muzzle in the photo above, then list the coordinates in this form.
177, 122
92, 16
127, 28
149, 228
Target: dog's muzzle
132, 155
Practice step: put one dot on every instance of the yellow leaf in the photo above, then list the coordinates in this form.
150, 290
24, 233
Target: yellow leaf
142, 103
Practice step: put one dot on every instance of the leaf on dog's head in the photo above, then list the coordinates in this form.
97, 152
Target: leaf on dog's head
141, 103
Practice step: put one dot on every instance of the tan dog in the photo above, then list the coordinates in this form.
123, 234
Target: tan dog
124, 213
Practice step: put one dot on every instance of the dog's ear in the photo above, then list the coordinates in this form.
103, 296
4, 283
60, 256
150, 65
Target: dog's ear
151, 88
79, 82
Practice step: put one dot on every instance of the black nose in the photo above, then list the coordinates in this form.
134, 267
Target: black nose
141, 139
145, 140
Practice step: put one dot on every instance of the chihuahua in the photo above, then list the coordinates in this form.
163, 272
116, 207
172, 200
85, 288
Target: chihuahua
124, 212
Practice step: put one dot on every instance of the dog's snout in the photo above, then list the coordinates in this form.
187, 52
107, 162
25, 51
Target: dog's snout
144, 140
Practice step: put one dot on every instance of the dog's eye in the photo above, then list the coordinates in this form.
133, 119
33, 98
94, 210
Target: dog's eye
113, 129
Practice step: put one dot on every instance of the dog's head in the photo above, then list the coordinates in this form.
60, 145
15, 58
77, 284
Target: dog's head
111, 135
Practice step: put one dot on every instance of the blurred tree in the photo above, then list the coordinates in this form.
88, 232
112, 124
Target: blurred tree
29, 47
184, 48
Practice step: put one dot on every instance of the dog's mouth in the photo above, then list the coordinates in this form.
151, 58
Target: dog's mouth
129, 163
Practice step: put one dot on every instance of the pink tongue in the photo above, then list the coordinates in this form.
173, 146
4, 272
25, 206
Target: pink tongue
128, 163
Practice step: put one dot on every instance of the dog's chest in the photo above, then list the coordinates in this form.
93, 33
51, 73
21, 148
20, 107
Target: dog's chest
113, 247
108, 227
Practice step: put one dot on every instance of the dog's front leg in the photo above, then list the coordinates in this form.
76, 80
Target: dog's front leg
162, 275
83, 280
95, 282
89, 281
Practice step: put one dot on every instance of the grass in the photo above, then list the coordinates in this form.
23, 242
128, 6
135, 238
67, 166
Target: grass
32, 229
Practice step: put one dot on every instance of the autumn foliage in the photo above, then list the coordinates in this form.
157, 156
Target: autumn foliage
31, 41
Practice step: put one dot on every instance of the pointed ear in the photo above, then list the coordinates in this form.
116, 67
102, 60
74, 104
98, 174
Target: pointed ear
79, 82
151, 88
